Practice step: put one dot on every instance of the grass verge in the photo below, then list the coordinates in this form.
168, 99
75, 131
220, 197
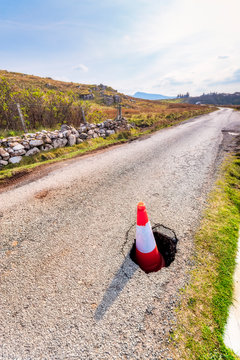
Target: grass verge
28, 164
203, 311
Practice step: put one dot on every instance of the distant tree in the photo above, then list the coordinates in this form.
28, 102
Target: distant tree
216, 99
182, 96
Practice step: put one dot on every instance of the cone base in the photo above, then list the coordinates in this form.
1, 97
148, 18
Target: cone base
150, 262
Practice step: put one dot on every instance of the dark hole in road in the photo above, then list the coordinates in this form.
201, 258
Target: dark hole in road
166, 241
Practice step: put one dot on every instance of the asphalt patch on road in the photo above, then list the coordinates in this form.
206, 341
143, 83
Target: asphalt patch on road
41, 194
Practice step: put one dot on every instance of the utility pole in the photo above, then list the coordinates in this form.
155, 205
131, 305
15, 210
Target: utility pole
22, 118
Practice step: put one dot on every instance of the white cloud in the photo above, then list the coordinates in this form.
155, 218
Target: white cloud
81, 67
183, 44
126, 38
173, 46
216, 21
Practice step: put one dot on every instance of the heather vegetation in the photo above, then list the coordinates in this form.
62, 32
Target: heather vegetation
47, 103
39, 108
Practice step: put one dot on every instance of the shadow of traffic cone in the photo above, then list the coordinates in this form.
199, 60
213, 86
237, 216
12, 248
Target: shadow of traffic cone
147, 255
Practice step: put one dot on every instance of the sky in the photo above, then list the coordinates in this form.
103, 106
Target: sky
158, 46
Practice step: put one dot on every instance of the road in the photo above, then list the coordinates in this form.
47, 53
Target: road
68, 287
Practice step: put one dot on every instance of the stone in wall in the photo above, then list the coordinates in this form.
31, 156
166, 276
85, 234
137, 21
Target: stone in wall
32, 151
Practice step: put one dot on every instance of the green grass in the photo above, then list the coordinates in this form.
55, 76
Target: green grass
205, 302
174, 101
8, 133
163, 120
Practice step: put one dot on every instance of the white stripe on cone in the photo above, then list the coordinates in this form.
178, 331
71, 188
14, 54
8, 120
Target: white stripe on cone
145, 242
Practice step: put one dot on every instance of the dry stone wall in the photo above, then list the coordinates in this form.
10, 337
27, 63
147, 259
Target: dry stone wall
12, 149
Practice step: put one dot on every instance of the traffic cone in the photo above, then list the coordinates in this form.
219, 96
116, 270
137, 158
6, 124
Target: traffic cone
147, 255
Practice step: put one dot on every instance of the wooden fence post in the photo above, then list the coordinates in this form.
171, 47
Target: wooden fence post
22, 118
119, 112
83, 115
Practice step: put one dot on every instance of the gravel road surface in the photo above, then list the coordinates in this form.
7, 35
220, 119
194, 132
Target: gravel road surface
68, 287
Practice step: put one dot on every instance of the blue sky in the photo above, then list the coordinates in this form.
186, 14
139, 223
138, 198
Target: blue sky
159, 46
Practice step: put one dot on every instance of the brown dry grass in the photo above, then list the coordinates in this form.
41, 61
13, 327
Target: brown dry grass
95, 110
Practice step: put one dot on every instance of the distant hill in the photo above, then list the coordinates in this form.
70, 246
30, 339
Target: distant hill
146, 96
216, 99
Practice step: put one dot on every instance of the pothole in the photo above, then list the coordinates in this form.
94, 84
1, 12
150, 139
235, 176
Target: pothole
166, 241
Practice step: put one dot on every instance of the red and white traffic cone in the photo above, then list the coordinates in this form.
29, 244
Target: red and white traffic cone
147, 255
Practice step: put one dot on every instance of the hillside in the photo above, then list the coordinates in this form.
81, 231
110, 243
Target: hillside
99, 93
147, 96
48, 103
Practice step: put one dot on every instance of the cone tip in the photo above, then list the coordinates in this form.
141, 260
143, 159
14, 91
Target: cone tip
142, 217
141, 206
